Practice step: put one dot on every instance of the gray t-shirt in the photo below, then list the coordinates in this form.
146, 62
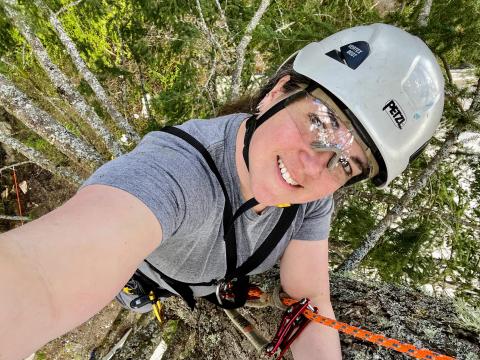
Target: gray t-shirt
173, 180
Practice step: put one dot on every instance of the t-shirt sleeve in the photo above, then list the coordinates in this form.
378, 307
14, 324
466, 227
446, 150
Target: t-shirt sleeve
316, 222
162, 173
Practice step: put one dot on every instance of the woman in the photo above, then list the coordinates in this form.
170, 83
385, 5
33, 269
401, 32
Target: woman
358, 105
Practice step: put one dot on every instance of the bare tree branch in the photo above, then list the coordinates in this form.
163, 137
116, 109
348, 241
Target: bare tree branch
207, 87
39, 159
425, 13
14, 165
242, 47
145, 99
38, 120
68, 6
89, 77
222, 15
60, 80
14, 218
394, 214
208, 33
447, 69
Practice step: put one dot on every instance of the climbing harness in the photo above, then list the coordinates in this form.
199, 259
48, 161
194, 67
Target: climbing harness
231, 290
297, 316
147, 292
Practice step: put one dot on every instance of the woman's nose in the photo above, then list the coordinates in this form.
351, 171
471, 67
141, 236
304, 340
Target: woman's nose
314, 162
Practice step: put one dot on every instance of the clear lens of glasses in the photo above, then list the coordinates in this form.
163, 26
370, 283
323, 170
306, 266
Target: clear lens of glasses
321, 127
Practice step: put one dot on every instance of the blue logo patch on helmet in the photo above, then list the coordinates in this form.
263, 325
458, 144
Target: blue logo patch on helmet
352, 54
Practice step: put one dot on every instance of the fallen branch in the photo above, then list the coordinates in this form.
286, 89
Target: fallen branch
89, 77
60, 80
38, 120
15, 165
39, 159
15, 218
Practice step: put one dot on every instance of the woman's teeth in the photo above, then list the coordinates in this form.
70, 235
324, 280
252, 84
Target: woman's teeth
285, 174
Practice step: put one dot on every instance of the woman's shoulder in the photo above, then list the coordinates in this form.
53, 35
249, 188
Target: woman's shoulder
319, 208
214, 130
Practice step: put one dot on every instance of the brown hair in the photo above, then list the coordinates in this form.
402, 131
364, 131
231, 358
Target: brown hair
249, 103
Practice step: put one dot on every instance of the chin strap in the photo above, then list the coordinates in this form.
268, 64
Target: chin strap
253, 123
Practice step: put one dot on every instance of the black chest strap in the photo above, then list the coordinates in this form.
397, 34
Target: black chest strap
262, 252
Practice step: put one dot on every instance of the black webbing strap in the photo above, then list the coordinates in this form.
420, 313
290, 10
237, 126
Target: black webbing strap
149, 284
181, 288
286, 219
230, 238
227, 212
254, 122
228, 217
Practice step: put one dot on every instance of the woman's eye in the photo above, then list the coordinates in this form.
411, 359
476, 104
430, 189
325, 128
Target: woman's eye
346, 166
316, 120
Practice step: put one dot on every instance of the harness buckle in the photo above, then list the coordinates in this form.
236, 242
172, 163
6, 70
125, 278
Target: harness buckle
231, 294
225, 291
292, 324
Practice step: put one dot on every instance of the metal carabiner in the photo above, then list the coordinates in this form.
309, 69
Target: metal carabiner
292, 324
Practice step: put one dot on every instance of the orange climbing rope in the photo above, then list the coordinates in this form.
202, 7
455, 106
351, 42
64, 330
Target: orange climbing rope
362, 334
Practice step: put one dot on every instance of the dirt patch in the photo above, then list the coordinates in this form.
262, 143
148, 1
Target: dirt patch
44, 192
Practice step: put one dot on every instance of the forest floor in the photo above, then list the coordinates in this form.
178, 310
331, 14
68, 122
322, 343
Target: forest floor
79, 343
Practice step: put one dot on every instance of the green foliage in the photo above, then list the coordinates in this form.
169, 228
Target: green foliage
7, 34
452, 28
169, 330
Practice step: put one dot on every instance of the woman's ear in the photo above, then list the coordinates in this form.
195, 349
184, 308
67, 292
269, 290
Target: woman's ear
274, 95
278, 89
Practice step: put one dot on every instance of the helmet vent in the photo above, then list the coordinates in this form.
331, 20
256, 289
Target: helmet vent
352, 55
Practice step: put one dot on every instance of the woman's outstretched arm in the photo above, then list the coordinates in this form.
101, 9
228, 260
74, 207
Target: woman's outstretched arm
304, 273
58, 271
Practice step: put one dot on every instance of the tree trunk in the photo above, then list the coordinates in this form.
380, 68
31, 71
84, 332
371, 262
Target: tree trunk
37, 158
242, 48
89, 77
20, 106
60, 80
394, 214
396, 312
425, 13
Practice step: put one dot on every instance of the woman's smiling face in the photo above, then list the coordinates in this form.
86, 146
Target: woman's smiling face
285, 168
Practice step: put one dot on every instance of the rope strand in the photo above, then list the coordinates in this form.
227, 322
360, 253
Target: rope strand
17, 193
256, 294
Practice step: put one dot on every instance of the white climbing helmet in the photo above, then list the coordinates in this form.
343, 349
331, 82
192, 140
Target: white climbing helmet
388, 83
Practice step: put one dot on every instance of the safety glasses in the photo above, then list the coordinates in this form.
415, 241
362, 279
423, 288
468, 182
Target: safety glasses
326, 128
